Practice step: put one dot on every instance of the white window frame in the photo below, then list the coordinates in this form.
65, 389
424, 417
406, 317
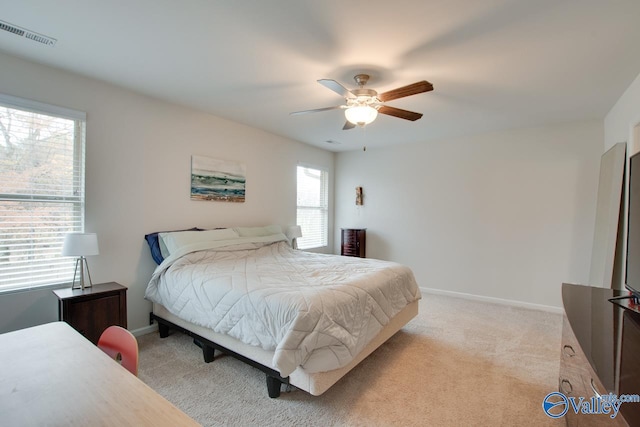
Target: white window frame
77, 198
322, 235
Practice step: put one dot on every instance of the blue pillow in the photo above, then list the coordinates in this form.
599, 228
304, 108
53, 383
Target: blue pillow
154, 243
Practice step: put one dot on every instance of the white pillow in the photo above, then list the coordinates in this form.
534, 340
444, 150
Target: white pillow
178, 239
267, 230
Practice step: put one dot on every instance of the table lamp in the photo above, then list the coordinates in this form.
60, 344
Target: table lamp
80, 245
293, 233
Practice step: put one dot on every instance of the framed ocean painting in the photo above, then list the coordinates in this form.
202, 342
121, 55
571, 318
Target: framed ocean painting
218, 180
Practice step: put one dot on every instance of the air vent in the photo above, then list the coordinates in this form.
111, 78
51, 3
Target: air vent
31, 35
12, 29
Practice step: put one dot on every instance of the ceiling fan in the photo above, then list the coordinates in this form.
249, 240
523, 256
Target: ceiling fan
363, 105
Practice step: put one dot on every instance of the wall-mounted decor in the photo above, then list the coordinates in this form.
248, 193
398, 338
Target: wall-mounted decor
359, 201
219, 180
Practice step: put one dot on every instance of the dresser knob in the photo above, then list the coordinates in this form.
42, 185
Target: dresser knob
568, 350
566, 387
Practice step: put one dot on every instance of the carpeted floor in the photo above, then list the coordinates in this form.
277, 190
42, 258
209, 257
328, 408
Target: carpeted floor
459, 363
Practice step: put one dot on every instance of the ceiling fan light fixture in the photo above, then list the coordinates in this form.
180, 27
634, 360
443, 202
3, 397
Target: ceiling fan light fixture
364, 104
361, 115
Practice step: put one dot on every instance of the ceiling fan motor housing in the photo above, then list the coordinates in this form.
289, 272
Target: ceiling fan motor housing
366, 98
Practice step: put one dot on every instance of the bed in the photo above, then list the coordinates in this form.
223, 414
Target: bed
304, 319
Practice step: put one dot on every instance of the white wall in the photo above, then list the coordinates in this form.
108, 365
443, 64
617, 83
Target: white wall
622, 121
138, 178
505, 215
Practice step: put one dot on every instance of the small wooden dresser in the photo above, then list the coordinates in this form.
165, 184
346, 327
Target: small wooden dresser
354, 242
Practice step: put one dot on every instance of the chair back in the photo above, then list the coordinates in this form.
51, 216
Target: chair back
122, 346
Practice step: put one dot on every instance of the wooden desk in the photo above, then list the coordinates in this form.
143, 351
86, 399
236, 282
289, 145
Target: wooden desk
52, 375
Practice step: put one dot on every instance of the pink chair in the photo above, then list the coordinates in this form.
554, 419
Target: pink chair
121, 346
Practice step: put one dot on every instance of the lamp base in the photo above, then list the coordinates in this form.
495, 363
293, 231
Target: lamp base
81, 264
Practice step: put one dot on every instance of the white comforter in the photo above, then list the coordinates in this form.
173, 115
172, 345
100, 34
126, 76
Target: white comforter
313, 310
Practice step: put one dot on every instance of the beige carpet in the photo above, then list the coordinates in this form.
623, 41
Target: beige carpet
459, 363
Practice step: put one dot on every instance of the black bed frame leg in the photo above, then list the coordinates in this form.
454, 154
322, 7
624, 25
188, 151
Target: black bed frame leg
207, 353
273, 386
163, 330
207, 350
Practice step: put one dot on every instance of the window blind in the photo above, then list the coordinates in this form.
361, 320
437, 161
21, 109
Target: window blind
41, 191
313, 210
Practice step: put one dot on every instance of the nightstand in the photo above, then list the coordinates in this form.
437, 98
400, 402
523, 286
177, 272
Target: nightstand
92, 310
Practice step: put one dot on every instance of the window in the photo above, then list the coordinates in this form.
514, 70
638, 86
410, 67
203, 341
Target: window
313, 209
41, 191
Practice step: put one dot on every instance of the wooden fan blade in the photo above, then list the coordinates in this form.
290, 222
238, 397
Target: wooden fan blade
397, 112
295, 113
348, 125
401, 92
336, 87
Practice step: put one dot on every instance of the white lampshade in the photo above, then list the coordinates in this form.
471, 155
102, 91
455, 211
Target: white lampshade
294, 232
361, 115
80, 244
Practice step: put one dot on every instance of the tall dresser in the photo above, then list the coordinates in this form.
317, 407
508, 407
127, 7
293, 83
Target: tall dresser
353, 242
600, 353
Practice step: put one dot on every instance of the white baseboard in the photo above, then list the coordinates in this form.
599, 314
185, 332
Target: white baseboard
493, 300
146, 330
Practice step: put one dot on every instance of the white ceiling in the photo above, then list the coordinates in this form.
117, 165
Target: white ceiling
495, 64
